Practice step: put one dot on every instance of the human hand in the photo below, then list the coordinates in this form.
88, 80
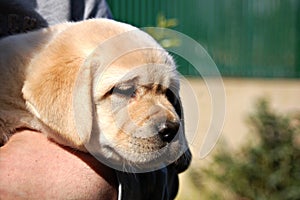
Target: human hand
33, 167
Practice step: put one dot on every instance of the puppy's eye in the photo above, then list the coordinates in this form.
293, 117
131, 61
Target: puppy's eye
124, 90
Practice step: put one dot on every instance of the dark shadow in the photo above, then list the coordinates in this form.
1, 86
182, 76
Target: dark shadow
77, 10
19, 17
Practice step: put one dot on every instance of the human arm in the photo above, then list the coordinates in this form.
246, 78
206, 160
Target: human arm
33, 167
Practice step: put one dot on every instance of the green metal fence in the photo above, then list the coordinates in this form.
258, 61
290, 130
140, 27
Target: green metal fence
250, 38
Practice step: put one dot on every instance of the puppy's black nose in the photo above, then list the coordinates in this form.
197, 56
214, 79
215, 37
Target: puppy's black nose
168, 131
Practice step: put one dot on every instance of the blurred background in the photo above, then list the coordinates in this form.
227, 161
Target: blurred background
256, 47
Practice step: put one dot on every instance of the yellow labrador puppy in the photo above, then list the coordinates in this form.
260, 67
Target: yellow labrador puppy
98, 85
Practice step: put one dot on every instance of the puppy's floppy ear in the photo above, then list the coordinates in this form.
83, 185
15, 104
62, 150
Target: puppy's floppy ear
183, 162
57, 91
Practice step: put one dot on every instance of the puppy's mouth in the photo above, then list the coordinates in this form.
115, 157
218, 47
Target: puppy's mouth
147, 151
146, 145
143, 151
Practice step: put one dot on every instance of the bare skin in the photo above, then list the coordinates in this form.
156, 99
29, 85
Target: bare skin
33, 167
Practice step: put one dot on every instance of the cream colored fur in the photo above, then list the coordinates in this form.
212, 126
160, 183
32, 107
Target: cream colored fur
39, 72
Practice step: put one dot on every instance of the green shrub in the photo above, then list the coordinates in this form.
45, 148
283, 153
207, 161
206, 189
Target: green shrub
268, 169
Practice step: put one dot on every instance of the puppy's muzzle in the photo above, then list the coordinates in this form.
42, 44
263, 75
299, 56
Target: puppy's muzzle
168, 131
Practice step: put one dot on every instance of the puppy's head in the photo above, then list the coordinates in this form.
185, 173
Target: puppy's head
121, 104
138, 110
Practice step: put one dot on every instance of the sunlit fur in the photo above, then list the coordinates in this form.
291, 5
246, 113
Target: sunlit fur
39, 76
